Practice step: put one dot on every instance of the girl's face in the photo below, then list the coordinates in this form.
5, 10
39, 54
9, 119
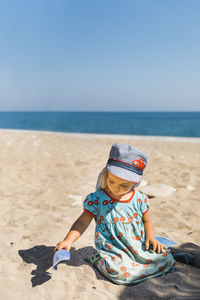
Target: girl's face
118, 187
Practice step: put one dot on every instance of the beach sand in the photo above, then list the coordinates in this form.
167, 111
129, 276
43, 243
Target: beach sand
44, 178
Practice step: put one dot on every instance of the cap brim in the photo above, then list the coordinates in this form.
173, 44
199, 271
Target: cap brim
123, 173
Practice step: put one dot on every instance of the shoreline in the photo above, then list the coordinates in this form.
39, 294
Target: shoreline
107, 136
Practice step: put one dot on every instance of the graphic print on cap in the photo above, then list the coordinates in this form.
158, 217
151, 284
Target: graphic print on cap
139, 163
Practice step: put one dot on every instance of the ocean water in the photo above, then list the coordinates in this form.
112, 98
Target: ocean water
178, 124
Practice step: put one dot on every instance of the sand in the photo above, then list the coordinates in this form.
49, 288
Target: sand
44, 178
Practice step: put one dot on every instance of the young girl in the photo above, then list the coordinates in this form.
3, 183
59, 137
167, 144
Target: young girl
127, 251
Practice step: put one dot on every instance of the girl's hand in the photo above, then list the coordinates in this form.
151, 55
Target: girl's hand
157, 246
63, 245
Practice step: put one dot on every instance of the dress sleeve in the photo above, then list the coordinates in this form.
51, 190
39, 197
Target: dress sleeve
90, 204
144, 204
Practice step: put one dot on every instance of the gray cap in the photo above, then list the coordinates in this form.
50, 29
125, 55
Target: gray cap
126, 162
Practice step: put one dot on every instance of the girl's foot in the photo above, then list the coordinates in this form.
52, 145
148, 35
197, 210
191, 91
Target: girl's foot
93, 259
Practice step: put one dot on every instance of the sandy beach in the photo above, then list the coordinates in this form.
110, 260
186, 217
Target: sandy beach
44, 178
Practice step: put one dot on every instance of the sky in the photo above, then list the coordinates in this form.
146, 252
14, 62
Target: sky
99, 55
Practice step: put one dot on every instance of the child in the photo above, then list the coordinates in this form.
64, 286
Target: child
127, 251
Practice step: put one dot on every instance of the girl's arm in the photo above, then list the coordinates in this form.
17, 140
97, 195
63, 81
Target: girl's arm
150, 237
79, 226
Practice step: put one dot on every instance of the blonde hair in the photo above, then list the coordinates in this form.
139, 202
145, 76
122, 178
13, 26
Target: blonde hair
104, 180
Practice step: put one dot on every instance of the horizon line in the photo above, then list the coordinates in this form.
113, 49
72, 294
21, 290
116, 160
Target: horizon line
100, 111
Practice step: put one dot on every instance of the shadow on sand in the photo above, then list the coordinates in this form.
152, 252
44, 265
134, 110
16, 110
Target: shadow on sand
42, 257
182, 284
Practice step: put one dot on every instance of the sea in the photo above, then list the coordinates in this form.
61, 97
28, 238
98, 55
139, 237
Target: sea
176, 124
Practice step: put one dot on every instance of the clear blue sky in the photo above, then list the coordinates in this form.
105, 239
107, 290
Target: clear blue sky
100, 55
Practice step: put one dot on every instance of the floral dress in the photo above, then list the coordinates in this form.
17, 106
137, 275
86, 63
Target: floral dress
120, 239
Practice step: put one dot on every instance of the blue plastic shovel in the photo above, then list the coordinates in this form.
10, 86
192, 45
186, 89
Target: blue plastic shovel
168, 243
60, 255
